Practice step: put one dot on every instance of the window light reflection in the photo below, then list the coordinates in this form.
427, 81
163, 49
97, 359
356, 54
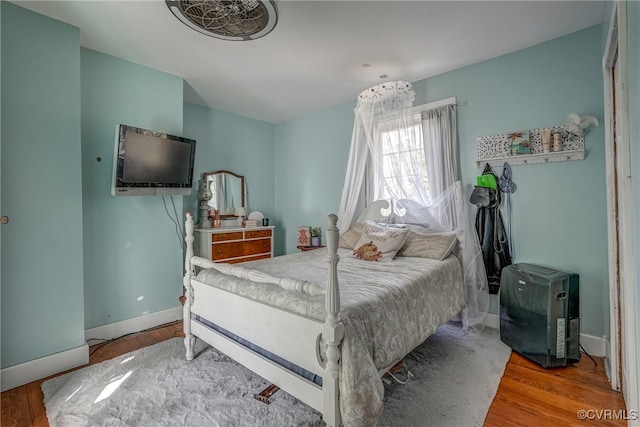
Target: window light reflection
111, 387
74, 393
128, 359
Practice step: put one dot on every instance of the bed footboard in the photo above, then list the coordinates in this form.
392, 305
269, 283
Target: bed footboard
214, 305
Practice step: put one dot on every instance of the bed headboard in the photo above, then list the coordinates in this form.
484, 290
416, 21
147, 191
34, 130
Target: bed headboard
407, 211
378, 211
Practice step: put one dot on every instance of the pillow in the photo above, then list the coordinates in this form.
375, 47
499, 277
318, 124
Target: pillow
424, 244
350, 237
380, 243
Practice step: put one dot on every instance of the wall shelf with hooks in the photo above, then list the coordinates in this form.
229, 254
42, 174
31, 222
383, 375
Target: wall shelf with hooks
496, 149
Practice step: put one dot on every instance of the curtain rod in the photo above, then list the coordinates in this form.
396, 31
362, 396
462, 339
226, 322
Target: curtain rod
427, 106
436, 104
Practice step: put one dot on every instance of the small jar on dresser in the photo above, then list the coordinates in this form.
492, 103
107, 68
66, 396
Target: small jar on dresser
234, 244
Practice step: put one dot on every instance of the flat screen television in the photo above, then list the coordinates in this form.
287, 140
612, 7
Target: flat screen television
149, 163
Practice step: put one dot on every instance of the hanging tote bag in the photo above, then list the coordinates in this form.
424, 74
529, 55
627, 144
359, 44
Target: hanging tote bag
486, 194
488, 178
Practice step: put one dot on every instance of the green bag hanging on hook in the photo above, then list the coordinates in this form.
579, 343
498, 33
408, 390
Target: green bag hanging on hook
488, 178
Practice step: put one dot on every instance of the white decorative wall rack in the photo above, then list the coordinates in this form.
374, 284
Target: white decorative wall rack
496, 149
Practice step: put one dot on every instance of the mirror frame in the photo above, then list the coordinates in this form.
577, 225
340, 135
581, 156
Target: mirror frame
206, 175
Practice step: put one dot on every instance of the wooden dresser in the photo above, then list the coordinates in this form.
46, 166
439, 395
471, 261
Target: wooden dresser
234, 244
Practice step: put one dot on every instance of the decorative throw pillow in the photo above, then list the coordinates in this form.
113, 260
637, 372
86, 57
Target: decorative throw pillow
429, 245
350, 237
380, 243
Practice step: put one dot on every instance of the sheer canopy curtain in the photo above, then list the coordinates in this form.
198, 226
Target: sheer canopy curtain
374, 106
398, 153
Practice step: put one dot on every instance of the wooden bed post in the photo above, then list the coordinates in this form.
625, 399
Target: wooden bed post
189, 272
333, 331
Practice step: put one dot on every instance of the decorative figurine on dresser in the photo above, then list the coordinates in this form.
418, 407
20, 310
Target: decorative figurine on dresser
224, 238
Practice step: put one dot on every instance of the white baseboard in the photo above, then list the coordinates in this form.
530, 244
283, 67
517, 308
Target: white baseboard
594, 346
33, 370
137, 324
492, 321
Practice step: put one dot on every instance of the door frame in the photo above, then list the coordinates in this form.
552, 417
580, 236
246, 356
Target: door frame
622, 358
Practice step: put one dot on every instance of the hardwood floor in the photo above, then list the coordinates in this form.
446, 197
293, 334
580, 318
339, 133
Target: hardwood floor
528, 394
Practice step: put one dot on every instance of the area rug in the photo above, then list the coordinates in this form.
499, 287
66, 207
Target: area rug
454, 380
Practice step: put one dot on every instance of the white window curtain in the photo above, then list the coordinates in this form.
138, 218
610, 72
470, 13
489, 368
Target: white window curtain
391, 147
439, 129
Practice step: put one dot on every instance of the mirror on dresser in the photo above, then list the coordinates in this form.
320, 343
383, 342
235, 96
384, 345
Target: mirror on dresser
227, 191
229, 240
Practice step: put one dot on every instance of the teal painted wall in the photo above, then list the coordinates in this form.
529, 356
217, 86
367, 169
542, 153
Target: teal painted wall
311, 160
133, 257
42, 304
237, 144
559, 209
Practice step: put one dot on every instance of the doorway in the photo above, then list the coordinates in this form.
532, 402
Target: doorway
622, 357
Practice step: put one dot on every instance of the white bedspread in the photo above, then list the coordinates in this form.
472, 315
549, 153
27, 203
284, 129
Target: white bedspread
388, 308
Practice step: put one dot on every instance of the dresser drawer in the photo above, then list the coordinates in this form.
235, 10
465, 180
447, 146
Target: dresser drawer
254, 247
234, 244
226, 250
220, 237
254, 234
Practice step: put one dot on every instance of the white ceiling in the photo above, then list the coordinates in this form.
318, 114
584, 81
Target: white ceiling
314, 57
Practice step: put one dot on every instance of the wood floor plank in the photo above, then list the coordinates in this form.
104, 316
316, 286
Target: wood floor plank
509, 411
36, 405
547, 402
528, 395
19, 413
5, 409
547, 408
595, 397
585, 370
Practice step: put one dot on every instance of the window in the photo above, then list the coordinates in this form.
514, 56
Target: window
402, 171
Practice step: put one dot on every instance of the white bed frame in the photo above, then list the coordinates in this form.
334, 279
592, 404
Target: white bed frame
295, 338
291, 336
